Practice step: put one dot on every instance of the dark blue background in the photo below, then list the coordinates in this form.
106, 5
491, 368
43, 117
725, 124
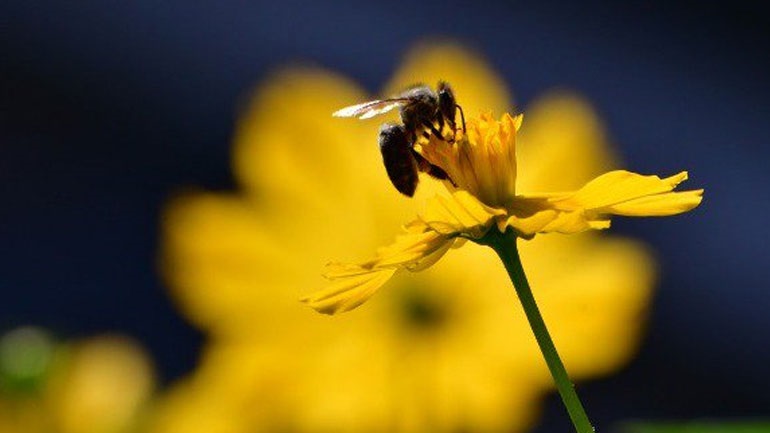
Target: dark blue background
108, 106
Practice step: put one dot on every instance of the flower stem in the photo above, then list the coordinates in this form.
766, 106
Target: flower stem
505, 246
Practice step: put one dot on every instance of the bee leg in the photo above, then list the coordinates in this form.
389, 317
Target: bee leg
447, 106
433, 129
451, 123
397, 155
433, 171
462, 115
453, 127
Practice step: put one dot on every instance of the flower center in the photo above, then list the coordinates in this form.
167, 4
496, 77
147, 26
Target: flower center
419, 309
481, 160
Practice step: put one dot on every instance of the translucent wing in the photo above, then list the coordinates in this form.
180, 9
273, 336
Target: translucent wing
370, 109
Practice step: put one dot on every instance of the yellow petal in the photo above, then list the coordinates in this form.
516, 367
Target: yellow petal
545, 219
414, 251
528, 224
562, 144
218, 255
659, 205
598, 292
625, 193
287, 144
459, 213
349, 292
353, 284
614, 193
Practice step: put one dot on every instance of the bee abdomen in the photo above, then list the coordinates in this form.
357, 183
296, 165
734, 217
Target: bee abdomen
397, 156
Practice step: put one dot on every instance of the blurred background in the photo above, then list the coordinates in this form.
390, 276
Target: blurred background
108, 107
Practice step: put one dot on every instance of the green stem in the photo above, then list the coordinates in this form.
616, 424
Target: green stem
504, 245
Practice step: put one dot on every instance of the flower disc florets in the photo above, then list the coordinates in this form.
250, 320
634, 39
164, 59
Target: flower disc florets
481, 159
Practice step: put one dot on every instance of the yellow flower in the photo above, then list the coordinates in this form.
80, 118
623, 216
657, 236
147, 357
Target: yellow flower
97, 385
443, 350
481, 164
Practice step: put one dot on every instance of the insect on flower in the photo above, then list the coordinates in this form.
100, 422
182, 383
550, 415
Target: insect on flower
423, 112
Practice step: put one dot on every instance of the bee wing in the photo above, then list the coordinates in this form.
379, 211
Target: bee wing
370, 109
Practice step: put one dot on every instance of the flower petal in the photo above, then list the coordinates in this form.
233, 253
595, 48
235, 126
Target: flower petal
415, 251
459, 213
615, 193
598, 292
353, 284
347, 293
218, 255
287, 144
659, 205
622, 192
532, 216
562, 134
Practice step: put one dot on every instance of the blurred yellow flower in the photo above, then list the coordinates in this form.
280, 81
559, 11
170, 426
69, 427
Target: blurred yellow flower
443, 350
97, 385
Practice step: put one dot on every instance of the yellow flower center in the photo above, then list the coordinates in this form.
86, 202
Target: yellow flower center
481, 159
420, 308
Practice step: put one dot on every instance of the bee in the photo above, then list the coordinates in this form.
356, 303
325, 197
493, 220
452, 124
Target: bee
423, 112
